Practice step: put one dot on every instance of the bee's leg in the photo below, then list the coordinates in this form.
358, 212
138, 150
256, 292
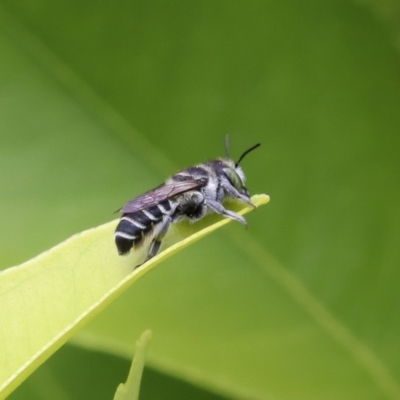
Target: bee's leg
219, 208
235, 193
156, 242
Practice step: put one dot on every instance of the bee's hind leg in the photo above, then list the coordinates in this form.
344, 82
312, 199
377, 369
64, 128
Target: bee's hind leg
156, 242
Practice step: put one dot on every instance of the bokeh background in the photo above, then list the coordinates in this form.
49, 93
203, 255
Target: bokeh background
100, 101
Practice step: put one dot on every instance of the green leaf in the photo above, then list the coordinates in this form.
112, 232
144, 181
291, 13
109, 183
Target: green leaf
130, 389
101, 101
44, 301
73, 373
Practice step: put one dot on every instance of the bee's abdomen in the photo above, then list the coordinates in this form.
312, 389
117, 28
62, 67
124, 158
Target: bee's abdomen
133, 227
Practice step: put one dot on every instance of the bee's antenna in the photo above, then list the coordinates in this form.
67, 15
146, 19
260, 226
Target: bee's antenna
227, 147
247, 152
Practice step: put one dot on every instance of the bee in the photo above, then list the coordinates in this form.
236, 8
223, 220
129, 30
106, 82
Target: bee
191, 193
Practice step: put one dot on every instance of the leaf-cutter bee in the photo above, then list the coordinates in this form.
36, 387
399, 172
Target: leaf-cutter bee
191, 194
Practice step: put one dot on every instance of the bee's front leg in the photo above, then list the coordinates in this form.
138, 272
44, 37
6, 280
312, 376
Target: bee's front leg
219, 208
232, 191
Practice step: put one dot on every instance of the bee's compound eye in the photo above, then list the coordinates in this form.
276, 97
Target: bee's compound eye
234, 178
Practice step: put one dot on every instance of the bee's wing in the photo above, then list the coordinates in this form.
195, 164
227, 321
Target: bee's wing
161, 193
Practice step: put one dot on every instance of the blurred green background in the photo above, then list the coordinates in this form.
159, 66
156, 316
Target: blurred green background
100, 101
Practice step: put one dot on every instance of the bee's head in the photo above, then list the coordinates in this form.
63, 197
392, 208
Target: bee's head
234, 171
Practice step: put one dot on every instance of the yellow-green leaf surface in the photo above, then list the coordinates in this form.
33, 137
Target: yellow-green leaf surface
130, 389
44, 301
101, 101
